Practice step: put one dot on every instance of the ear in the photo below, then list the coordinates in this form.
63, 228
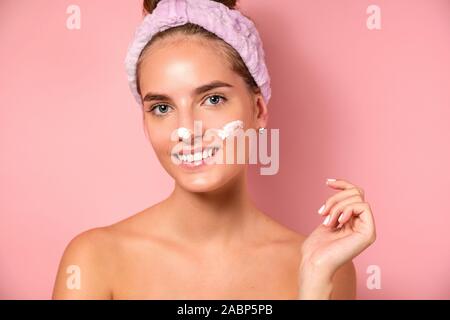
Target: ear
261, 115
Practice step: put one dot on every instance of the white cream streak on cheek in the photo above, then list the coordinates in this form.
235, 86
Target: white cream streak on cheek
229, 128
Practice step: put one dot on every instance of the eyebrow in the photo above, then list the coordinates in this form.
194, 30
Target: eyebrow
204, 88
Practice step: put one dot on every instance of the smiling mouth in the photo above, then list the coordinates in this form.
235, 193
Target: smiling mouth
196, 158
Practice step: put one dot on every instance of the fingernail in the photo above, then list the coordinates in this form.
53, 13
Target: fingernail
321, 209
330, 180
327, 219
340, 217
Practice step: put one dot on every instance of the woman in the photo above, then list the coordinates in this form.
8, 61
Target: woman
208, 240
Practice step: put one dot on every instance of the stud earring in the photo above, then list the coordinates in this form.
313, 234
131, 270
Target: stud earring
261, 130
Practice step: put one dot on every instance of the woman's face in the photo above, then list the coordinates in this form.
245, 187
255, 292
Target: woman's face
175, 68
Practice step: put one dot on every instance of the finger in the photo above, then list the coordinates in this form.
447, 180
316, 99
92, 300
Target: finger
338, 208
343, 185
331, 201
363, 211
345, 216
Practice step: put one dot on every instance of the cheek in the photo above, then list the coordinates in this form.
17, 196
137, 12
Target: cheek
159, 137
245, 113
158, 146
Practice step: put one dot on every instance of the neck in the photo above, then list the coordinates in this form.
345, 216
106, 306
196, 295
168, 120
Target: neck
220, 217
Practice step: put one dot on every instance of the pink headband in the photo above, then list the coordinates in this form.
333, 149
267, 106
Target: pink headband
230, 25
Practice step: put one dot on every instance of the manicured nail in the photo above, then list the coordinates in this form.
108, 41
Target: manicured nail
327, 219
330, 180
340, 217
321, 209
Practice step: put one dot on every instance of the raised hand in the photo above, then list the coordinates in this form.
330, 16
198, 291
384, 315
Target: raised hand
348, 229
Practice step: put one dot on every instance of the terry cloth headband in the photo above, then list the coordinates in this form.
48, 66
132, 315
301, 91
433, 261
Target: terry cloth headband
228, 24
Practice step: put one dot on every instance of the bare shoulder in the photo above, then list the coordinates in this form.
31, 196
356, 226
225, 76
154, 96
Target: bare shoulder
87, 267
84, 268
284, 241
281, 233
146, 219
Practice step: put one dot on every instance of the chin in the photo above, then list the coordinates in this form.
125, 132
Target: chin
208, 180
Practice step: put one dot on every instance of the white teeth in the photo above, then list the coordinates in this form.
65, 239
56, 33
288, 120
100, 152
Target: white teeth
197, 157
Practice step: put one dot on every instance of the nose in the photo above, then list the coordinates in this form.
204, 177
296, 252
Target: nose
189, 129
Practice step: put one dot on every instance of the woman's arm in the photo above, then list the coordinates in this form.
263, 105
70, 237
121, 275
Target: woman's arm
316, 285
326, 270
344, 283
83, 270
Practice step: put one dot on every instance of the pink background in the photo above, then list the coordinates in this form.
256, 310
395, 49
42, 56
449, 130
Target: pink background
372, 107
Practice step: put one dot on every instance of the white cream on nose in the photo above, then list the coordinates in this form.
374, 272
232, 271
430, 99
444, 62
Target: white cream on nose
183, 133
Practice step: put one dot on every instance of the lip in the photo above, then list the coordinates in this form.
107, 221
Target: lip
192, 166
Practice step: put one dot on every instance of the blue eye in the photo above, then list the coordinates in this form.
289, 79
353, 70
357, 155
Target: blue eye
162, 108
215, 99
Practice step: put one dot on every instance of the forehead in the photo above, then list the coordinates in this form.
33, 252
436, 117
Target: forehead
189, 60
